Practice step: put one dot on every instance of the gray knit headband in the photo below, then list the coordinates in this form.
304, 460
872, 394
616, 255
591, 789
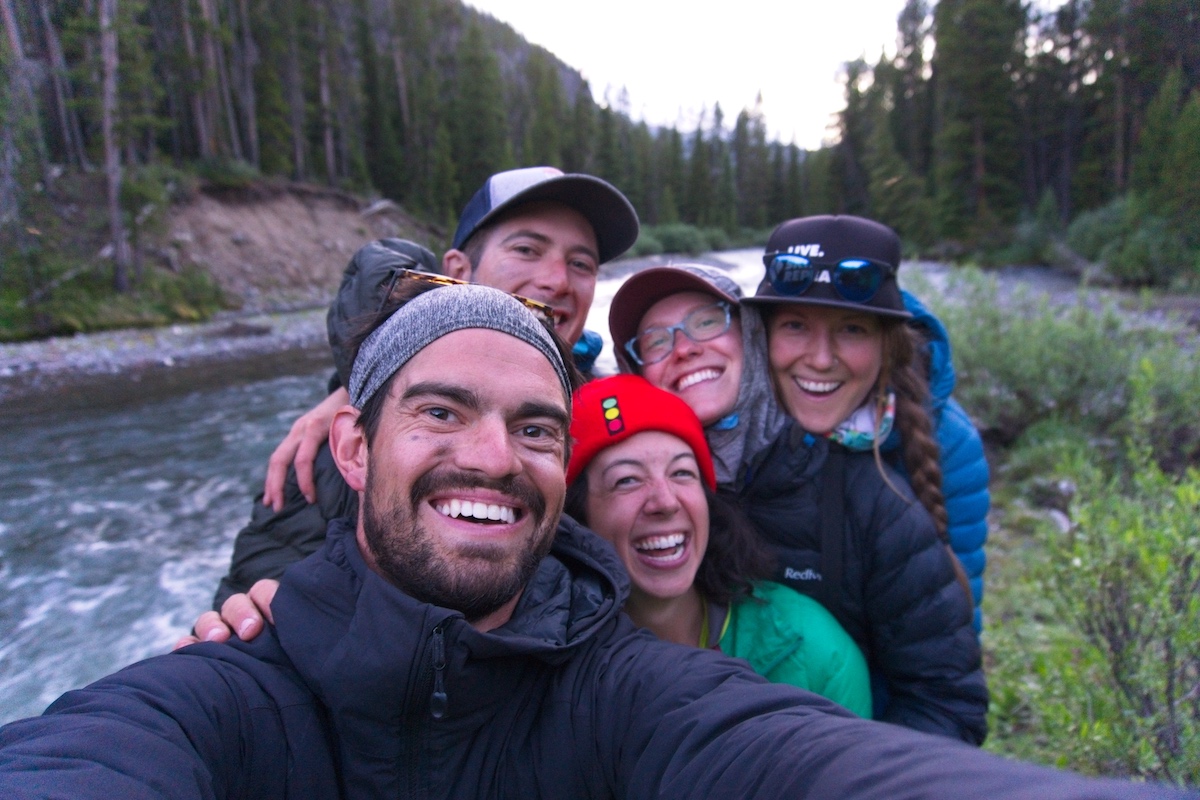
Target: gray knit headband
430, 316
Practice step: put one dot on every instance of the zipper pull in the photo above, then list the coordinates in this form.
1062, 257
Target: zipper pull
437, 701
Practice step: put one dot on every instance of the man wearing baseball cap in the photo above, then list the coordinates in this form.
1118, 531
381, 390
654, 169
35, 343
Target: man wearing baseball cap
457, 638
535, 232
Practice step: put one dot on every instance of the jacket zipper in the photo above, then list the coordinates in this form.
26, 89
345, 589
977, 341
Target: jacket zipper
438, 700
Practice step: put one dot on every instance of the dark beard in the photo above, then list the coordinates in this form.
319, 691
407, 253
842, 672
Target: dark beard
479, 580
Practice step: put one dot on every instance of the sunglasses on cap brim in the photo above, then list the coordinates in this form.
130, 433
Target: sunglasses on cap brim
854, 279
542, 311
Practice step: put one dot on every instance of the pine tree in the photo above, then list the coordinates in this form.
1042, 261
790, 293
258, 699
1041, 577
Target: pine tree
897, 194
544, 142
752, 159
978, 51
579, 144
384, 157
478, 127
1156, 137
698, 200
1179, 191
854, 125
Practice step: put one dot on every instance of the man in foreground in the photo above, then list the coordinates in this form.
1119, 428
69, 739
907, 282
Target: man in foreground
457, 639
535, 232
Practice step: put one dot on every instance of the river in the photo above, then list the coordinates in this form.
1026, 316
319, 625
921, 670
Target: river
116, 523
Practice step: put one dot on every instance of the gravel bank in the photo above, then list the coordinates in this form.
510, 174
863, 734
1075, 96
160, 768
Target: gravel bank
115, 367
105, 370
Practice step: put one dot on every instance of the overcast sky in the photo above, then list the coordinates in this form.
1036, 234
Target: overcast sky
676, 57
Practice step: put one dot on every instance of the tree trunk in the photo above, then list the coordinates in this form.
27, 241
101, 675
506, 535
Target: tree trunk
24, 89
214, 55
295, 94
1119, 115
112, 154
199, 91
249, 101
323, 94
72, 131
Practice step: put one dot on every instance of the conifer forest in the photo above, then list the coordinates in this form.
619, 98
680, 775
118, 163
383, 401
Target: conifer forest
989, 115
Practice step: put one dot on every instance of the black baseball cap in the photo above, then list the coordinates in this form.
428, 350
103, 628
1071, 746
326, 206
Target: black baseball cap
827, 240
610, 213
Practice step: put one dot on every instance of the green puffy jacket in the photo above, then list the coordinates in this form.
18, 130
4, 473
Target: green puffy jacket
790, 638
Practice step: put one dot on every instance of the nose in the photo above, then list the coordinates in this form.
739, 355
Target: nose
823, 354
682, 345
661, 499
487, 448
552, 277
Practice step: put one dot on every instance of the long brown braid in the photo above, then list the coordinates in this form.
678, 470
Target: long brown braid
906, 374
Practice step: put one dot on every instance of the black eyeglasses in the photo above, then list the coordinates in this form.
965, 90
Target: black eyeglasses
541, 310
704, 324
855, 279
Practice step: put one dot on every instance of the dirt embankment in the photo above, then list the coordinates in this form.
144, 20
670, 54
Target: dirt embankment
276, 250
282, 246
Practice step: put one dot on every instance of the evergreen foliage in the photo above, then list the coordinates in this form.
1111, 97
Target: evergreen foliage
985, 107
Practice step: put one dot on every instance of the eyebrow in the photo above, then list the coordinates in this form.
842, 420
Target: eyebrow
456, 394
470, 400
543, 238
635, 463
549, 410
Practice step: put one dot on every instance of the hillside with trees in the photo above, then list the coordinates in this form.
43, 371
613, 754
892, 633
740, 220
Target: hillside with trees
994, 131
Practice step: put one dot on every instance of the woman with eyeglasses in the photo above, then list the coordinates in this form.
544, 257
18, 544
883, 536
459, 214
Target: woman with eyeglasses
888, 578
642, 478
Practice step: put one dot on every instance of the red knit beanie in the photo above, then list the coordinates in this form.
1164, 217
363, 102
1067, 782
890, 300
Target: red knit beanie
610, 410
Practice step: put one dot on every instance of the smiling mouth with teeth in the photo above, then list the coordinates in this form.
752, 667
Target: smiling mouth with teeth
478, 512
665, 547
699, 376
819, 387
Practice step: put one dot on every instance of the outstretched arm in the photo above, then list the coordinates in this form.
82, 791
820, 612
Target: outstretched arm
181, 725
299, 448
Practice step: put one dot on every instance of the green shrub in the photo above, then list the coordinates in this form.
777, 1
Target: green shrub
647, 244
1128, 580
680, 238
1092, 232
1093, 635
1033, 238
1022, 360
717, 239
227, 173
1154, 254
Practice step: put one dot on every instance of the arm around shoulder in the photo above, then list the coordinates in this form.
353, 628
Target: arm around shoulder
274, 540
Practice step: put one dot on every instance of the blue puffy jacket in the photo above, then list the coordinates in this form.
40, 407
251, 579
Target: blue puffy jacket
964, 467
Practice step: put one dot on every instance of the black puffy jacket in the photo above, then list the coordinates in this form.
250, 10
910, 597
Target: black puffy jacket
899, 597
362, 692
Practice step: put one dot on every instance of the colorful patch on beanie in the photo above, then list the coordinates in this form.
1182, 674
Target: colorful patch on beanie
612, 416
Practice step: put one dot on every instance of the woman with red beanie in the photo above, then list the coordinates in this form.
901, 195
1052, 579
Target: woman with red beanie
641, 476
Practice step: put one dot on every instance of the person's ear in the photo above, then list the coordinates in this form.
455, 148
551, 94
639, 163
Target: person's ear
348, 443
456, 265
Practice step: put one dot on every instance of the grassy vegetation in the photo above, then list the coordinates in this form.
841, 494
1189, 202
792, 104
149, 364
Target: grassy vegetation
688, 239
55, 277
1092, 627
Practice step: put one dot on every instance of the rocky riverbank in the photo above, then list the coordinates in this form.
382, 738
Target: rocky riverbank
108, 369
112, 368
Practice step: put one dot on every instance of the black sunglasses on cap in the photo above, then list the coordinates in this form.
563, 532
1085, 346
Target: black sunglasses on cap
854, 279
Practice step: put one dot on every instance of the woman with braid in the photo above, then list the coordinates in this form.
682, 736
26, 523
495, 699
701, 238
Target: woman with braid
825, 478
